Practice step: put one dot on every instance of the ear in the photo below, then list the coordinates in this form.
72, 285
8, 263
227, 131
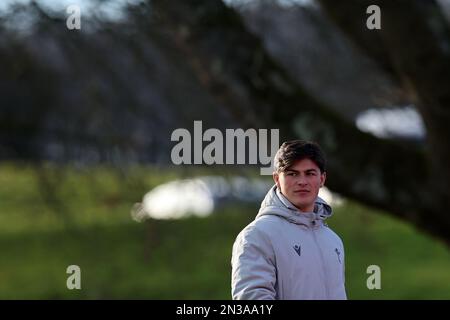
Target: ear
276, 178
323, 177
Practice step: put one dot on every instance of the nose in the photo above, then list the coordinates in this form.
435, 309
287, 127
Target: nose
301, 180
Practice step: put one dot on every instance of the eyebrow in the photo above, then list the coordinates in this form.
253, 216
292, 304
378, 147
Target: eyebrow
307, 170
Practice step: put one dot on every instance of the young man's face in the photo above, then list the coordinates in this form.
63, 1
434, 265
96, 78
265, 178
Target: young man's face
300, 183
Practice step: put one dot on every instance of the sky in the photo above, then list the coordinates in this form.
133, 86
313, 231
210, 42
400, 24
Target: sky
108, 8
89, 5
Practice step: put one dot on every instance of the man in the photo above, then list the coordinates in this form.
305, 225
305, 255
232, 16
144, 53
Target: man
288, 252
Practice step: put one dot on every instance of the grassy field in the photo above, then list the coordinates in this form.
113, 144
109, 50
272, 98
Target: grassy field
51, 218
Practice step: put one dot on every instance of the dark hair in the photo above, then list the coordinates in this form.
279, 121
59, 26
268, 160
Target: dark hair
292, 151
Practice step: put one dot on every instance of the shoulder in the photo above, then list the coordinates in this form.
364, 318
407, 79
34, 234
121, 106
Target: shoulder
260, 230
265, 225
333, 236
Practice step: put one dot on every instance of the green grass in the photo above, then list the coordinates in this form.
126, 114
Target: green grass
51, 218
413, 266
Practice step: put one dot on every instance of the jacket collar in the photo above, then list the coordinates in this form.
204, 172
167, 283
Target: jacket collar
275, 203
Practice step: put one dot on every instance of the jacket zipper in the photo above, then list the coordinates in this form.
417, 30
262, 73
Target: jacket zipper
322, 260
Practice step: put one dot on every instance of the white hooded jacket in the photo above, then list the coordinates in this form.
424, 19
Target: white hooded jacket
287, 254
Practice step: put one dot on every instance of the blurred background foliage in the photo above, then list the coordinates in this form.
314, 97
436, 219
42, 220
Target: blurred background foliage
187, 258
86, 117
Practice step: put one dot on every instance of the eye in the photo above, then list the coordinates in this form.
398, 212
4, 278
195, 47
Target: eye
292, 174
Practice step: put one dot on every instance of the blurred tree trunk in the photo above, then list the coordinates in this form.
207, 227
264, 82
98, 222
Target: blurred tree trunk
414, 45
233, 65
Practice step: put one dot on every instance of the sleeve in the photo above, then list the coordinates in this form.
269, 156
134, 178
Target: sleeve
343, 270
253, 275
343, 262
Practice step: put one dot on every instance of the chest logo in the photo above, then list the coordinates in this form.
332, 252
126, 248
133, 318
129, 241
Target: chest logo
338, 254
298, 249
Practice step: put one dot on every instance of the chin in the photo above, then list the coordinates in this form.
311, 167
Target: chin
303, 205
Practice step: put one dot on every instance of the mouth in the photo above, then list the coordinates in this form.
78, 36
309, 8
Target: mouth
301, 192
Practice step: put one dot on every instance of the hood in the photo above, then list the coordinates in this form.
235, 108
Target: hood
276, 204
